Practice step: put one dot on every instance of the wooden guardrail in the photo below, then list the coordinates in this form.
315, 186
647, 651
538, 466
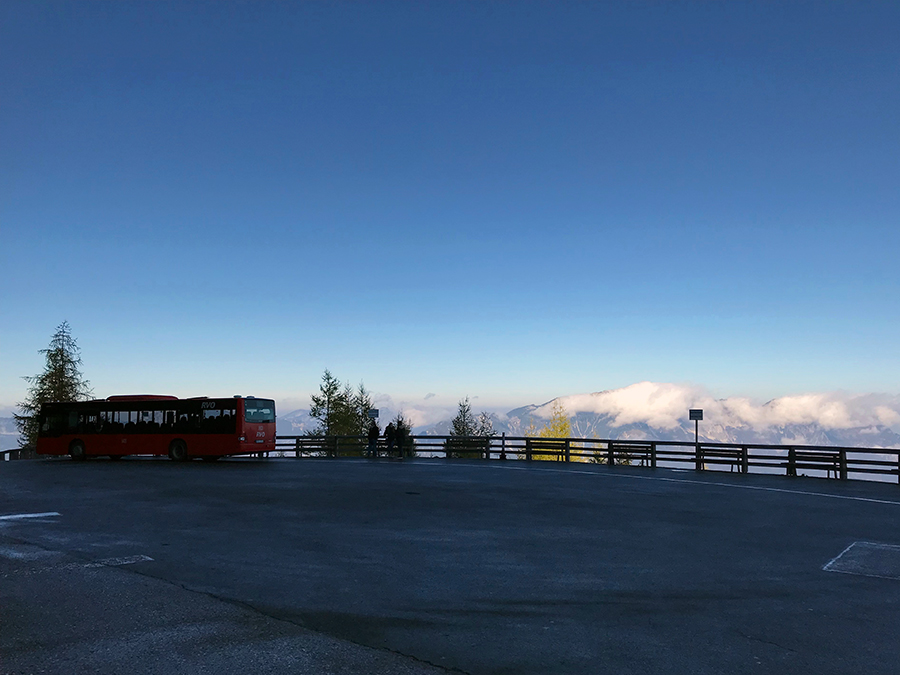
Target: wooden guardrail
842, 463
18, 453
792, 460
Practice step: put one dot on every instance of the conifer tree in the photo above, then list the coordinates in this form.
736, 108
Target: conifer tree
340, 410
485, 426
405, 442
559, 425
61, 380
326, 406
361, 405
463, 428
464, 423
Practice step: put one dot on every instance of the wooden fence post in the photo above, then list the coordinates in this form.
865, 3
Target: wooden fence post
745, 460
792, 462
698, 458
611, 454
568, 451
528, 450
653, 455
843, 463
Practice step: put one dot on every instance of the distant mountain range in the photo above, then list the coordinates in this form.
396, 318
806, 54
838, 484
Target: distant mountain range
607, 425
597, 425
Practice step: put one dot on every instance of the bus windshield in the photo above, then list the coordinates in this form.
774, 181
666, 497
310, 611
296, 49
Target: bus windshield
259, 410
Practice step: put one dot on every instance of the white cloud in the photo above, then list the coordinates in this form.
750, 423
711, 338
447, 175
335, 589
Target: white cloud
887, 416
424, 415
665, 406
660, 405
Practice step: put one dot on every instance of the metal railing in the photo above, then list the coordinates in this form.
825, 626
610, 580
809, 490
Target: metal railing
792, 460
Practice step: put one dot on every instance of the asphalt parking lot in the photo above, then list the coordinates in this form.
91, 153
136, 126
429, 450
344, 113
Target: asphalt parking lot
429, 566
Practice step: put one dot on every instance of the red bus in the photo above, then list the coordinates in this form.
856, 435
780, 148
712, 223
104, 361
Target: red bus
157, 425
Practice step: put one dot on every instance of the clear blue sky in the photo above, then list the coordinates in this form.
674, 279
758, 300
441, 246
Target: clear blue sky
513, 201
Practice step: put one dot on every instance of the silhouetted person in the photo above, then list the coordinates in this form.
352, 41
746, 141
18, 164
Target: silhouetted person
401, 440
374, 433
390, 435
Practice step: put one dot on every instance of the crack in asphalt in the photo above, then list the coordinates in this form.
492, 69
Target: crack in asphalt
765, 642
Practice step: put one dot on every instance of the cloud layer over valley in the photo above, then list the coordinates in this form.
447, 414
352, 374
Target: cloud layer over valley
665, 406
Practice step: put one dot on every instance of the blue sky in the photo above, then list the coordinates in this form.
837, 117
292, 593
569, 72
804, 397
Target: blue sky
513, 201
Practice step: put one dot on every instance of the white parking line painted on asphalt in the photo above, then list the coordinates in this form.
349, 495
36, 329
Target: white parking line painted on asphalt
867, 559
23, 516
23, 552
94, 564
115, 562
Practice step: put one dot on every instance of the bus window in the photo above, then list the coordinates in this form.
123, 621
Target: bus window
146, 422
188, 423
54, 424
259, 410
211, 420
89, 423
228, 419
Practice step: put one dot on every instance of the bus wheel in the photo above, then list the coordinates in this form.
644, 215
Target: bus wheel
76, 451
178, 451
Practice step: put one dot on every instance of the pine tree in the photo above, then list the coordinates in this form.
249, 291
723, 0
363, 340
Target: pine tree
485, 426
405, 442
464, 423
341, 411
559, 425
61, 380
361, 404
326, 407
462, 429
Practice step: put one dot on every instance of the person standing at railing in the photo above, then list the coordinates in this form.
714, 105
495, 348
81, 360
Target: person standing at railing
390, 435
401, 440
374, 433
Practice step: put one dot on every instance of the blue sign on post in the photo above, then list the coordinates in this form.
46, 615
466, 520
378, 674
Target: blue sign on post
696, 414
373, 413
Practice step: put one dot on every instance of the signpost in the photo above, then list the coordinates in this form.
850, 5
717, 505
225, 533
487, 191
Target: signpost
373, 413
696, 414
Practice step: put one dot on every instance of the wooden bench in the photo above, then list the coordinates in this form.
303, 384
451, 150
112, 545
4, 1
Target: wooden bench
540, 446
827, 460
467, 447
625, 453
733, 457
